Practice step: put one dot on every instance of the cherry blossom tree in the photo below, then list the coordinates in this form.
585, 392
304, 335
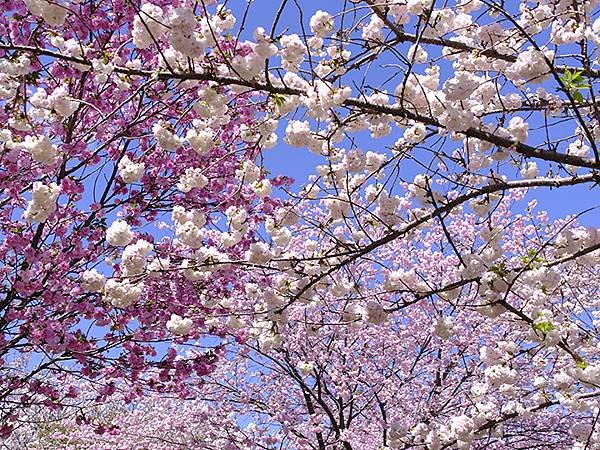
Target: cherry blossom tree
423, 353
410, 294
114, 189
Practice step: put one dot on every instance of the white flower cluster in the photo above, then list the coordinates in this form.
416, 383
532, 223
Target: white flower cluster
262, 188
415, 134
529, 171
249, 172
8, 71
483, 205
445, 20
292, 52
354, 160
59, 101
130, 172
122, 294
212, 106
41, 149
461, 86
165, 137
422, 92
338, 57
518, 128
6, 136
337, 207
462, 428
397, 434
223, 19
158, 265
43, 202
263, 134
119, 234
102, 70
373, 31
263, 47
236, 219
444, 327
417, 54
71, 47
321, 23
387, 210
134, 257
467, 6
183, 37
298, 134
248, 66
374, 313
457, 119
92, 280
178, 325
191, 271
266, 334
208, 261
374, 161
404, 280
53, 13
573, 240
321, 97
192, 178
578, 148
188, 226
419, 189
148, 26
379, 124
200, 136
20, 67
567, 32
546, 279
530, 66
280, 235
306, 368
259, 253
500, 374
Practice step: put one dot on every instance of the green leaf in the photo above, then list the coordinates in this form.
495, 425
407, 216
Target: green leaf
544, 327
531, 258
567, 76
279, 100
500, 269
581, 364
576, 76
573, 83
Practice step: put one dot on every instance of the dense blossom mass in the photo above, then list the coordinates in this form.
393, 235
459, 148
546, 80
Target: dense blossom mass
411, 277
